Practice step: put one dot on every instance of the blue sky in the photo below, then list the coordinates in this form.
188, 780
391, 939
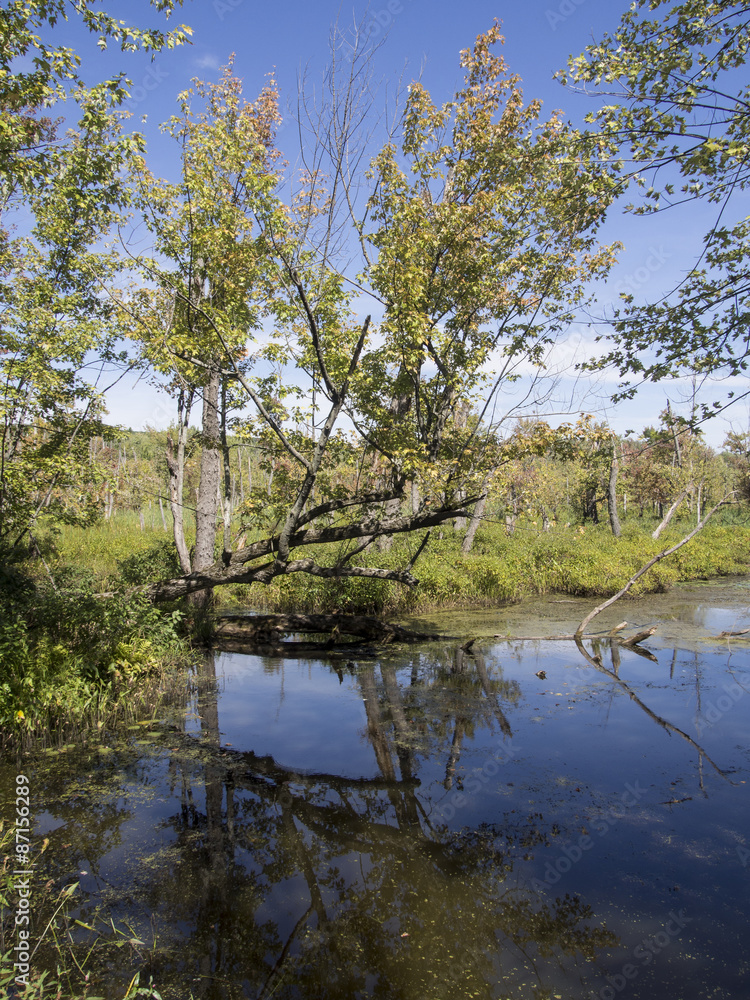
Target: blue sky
410, 38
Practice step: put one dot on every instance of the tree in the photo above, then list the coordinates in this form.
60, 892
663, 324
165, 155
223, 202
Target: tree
53, 316
481, 240
679, 124
59, 195
671, 464
29, 152
737, 456
485, 252
211, 275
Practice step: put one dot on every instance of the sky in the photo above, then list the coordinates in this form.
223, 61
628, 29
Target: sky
409, 39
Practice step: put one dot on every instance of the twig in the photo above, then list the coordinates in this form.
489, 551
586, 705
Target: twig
638, 637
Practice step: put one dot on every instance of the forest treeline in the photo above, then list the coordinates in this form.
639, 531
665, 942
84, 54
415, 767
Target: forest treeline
543, 477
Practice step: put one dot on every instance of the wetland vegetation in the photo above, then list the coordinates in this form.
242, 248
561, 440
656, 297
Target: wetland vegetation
519, 821
368, 415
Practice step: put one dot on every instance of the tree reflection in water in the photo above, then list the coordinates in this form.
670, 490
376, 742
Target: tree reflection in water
315, 885
428, 797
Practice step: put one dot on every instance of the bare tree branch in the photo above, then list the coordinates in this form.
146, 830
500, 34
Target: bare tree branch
236, 569
649, 564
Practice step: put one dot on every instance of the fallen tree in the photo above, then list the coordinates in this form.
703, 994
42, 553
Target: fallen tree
652, 562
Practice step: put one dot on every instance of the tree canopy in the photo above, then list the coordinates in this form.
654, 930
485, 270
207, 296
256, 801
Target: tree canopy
36, 76
61, 193
676, 121
327, 329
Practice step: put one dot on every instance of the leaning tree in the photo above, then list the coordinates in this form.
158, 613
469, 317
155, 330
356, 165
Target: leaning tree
474, 242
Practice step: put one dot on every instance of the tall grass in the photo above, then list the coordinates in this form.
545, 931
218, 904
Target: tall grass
110, 552
586, 562
61, 957
573, 560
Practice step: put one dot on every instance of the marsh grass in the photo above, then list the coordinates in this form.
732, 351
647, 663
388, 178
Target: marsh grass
573, 560
503, 569
65, 950
109, 553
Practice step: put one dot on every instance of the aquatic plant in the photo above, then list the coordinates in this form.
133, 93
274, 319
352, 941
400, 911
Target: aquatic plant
67, 956
70, 659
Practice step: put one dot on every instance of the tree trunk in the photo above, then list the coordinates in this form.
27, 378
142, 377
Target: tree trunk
415, 498
242, 565
476, 519
176, 467
208, 489
668, 516
614, 520
675, 437
227, 504
590, 505
271, 628
392, 509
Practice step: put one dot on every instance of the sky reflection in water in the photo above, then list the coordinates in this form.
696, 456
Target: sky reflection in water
430, 824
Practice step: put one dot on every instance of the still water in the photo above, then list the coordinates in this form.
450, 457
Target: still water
532, 821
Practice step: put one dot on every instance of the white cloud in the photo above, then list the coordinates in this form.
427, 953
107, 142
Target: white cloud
208, 61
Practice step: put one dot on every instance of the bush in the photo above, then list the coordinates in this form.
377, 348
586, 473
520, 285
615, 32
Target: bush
66, 655
157, 562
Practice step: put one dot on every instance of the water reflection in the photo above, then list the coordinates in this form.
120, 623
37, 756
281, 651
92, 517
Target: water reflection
327, 886
437, 823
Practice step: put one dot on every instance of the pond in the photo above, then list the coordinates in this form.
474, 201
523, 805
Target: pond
523, 820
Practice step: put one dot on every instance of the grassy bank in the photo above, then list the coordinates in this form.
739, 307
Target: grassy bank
589, 563
583, 562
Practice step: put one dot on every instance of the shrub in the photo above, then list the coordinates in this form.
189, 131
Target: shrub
66, 655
